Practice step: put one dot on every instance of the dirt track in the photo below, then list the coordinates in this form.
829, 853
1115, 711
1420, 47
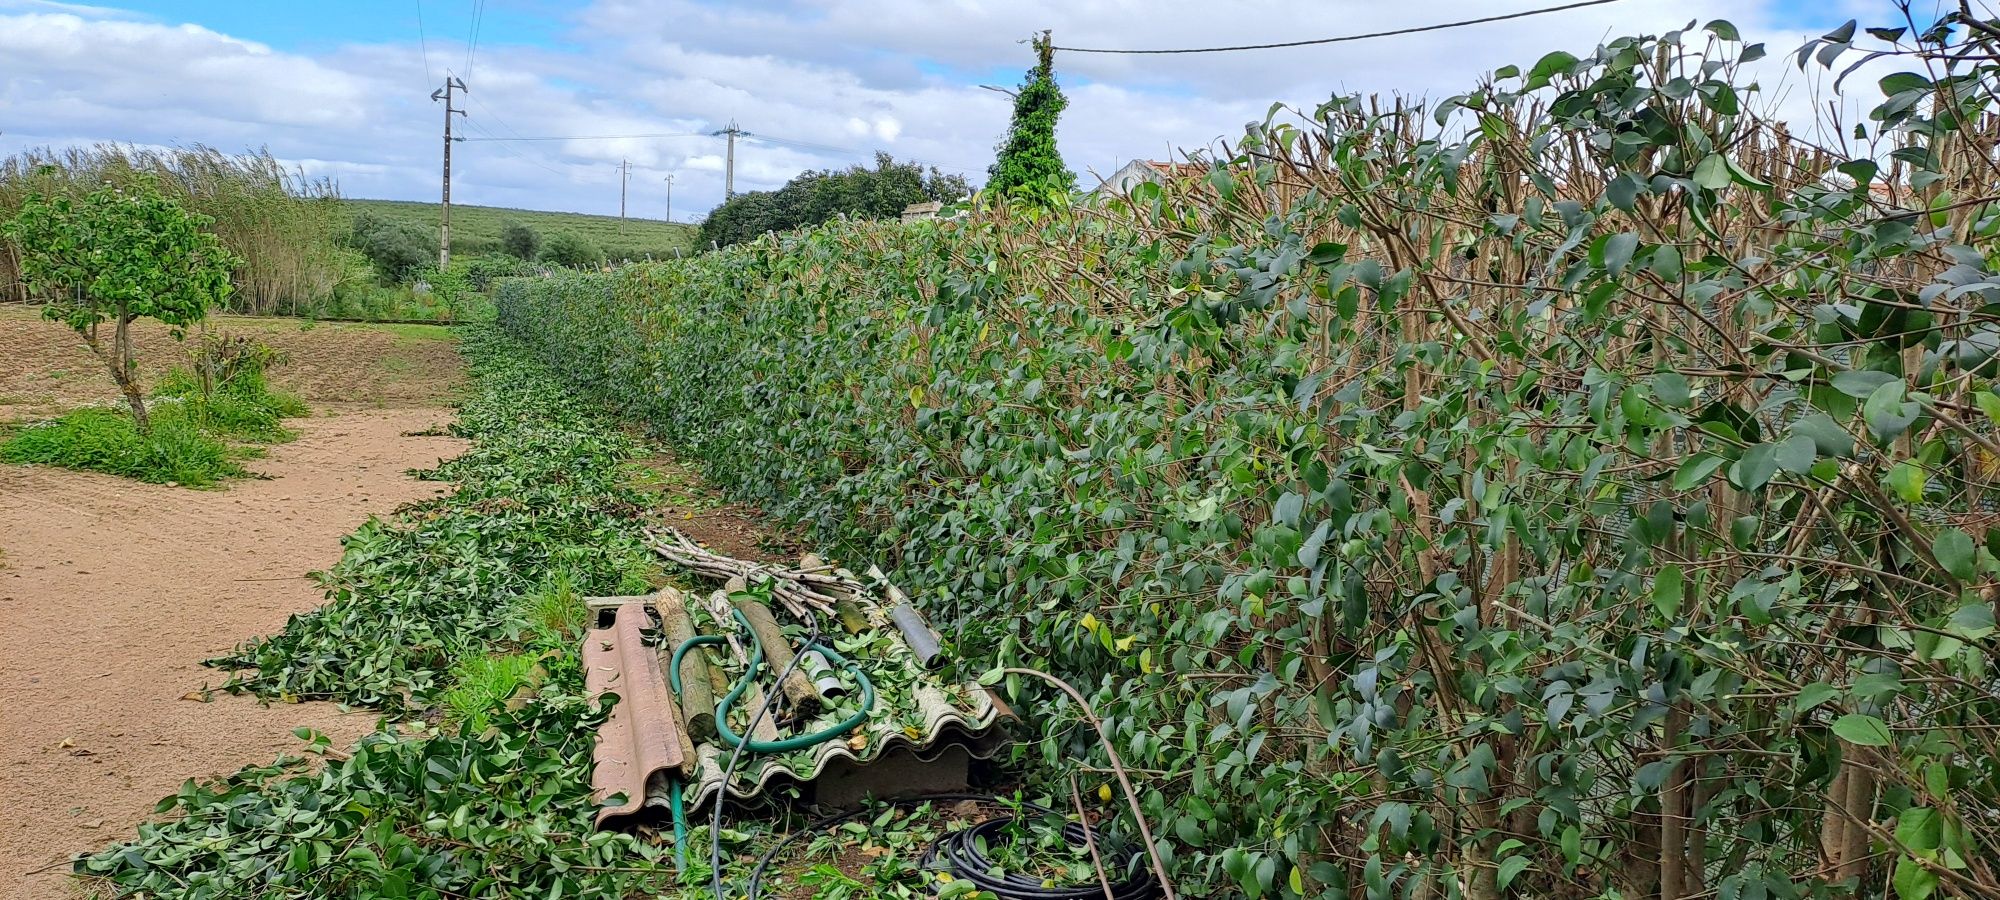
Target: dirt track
112, 592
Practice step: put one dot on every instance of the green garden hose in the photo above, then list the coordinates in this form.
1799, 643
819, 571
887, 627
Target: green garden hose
730, 739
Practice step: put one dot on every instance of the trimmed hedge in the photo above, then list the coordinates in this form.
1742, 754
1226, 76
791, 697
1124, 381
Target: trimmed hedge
1583, 495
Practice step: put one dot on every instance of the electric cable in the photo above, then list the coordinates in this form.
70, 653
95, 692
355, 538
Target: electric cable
424, 43
472, 41
964, 852
1347, 37
961, 851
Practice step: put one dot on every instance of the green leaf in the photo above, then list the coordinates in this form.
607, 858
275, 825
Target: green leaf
1668, 587
1828, 438
1552, 65
1712, 172
1913, 881
1510, 868
1696, 470
1723, 29
1920, 828
1618, 251
1623, 191
1906, 480
1755, 467
1863, 730
1887, 413
1812, 695
1954, 550
1671, 388
1666, 262
1797, 453
1326, 253
1859, 383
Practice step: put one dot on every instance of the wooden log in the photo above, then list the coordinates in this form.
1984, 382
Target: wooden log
696, 701
843, 590
797, 689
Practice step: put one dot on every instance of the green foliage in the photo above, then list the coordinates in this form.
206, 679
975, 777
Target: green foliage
227, 396
397, 249
1574, 469
814, 197
539, 491
475, 230
280, 227
482, 271
95, 439
483, 686
456, 602
119, 255
520, 241
1029, 165
571, 250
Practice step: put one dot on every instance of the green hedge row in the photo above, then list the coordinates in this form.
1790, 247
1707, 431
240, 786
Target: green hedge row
1582, 493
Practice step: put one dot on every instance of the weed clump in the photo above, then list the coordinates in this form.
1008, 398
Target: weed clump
194, 421
97, 439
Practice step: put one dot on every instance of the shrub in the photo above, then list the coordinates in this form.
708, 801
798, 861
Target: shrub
398, 250
520, 241
482, 271
571, 250
1575, 489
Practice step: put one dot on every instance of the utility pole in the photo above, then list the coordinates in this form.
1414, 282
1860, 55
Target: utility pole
729, 163
670, 198
444, 218
624, 175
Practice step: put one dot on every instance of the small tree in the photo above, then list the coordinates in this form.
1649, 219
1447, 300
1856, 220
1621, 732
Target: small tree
1029, 162
399, 250
119, 255
572, 250
519, 240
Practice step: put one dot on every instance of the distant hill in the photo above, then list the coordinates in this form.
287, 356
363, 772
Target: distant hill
476, 229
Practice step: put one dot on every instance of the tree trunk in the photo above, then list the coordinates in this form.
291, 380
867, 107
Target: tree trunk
125, 371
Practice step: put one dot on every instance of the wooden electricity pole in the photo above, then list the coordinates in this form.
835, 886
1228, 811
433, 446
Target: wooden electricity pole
444, 218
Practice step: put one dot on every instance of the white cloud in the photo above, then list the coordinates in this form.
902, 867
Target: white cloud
826, 83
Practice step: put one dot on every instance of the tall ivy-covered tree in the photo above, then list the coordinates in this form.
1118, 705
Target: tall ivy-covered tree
119, 255
1028, 162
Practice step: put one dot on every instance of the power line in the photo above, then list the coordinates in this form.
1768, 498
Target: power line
1349, 37
598, 137
424, 43
509, 150
472, 40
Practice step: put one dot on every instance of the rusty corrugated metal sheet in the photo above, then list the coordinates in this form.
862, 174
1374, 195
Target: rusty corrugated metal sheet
641, 739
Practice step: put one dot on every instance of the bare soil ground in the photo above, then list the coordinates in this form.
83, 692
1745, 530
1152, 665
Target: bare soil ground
45, 369
688, 503
112, 592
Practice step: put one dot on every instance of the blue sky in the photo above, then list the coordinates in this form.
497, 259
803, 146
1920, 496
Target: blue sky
341, 90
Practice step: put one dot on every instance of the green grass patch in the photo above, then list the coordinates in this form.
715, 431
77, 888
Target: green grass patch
197, 440
100, 439
484, 685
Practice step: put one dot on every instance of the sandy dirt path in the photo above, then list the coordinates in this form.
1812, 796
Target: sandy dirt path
112, 592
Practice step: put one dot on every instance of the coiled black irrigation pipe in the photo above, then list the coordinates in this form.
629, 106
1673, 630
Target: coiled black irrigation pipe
961, 852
